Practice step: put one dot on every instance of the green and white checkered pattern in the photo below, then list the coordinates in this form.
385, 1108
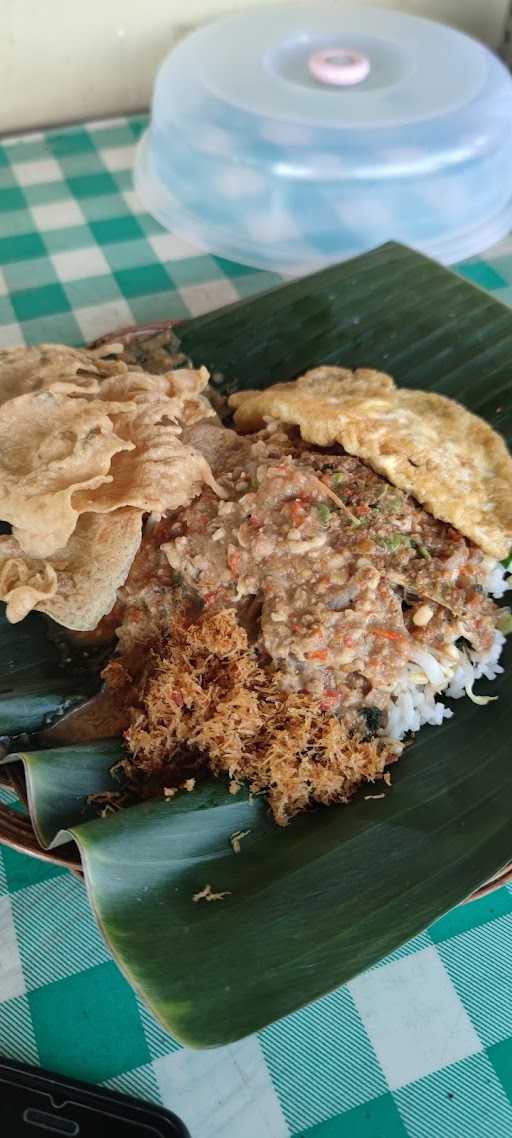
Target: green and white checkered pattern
418, 1047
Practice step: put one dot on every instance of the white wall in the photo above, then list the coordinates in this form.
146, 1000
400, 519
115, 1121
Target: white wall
67, 59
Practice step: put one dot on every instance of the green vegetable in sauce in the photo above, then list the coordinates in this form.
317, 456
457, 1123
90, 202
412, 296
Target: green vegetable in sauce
399, 540
507, 563
374, 719
504, 623
337, 479
324, 513
394, 541
387, 504
391, 505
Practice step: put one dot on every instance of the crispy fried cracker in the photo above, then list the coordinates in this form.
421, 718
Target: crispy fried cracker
55, 367
77, 585
160, 473
50, 446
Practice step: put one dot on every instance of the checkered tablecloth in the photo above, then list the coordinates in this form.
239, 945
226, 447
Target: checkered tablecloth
420, 1046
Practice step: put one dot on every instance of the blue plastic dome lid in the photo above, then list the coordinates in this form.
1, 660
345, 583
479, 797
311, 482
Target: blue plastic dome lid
292, 137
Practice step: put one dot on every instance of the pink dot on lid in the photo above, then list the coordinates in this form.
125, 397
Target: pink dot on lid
338, 66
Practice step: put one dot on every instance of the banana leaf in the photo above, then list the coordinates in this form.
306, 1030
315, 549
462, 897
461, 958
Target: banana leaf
307, 907
36, 683
62, 782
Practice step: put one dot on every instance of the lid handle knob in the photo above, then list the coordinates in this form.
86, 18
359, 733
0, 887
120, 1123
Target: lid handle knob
338, 66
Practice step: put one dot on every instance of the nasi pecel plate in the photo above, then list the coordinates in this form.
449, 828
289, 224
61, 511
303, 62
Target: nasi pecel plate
311, 905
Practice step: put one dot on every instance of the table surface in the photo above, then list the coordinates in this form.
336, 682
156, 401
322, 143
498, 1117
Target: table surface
418, 1047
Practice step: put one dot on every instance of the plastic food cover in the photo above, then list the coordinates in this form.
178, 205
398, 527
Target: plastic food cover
291, 137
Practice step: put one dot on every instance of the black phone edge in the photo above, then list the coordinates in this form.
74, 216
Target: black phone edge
87, 1094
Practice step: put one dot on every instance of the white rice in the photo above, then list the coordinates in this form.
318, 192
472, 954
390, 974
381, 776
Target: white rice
474, 665
413, 707
498, 580
415, 704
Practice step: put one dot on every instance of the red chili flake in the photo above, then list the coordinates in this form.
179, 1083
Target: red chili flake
318, 654
253, 521
178, 698
234, 560
330, 696
209, 597
388, 634
361, 510
297, 511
